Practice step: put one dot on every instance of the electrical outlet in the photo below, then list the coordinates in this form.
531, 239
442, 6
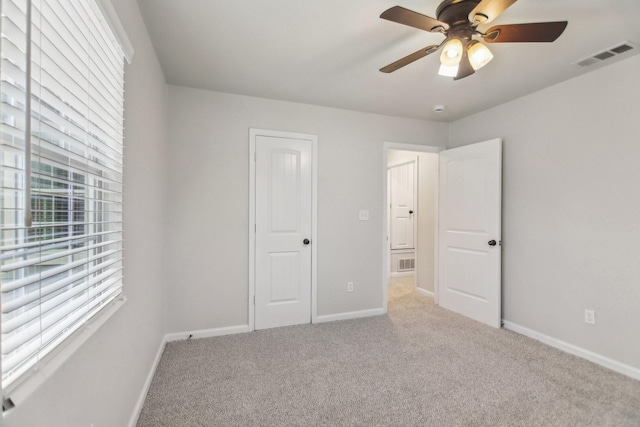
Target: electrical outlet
590, 317
349, 286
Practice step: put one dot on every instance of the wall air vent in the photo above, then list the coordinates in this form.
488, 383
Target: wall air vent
607, 54
406, 264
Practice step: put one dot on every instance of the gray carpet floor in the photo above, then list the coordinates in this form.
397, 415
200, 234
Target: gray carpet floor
419, 365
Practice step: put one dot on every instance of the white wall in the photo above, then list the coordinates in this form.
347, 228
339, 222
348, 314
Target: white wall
100, 384
427, 197
571, 208
208, 209
396, 256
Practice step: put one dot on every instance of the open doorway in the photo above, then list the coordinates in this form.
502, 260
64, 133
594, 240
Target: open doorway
465, 268
410, 254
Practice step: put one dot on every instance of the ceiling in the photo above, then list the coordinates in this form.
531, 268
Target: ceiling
328, 52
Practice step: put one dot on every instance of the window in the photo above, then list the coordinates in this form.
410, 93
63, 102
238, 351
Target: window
61, 156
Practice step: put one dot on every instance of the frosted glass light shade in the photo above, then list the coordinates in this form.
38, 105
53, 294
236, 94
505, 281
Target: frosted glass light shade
479, 55
452, 53
448, 70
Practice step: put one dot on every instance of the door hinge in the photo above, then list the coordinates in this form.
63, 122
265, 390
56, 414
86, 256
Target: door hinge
254, 300
255, 228
255, 156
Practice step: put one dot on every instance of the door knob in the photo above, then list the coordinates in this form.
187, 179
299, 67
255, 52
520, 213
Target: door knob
410, 212
492, 242
306, 241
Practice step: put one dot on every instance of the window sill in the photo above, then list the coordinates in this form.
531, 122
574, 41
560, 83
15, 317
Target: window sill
19, 391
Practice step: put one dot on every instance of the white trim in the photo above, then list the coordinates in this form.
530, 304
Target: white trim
137, 409
314, 230
31, 380
386, 256
412, 147
403, 251
207, 333
403, 273
350, 315
612, 364
252, 230
119, 32
424, 292
253, 133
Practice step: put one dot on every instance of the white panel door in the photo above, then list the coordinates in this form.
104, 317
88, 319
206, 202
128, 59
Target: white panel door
402, 189
470, 256
283, 232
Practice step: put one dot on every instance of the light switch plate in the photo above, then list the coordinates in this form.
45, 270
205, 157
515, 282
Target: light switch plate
364, 215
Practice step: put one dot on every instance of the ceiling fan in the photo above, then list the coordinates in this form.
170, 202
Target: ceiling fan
458, 21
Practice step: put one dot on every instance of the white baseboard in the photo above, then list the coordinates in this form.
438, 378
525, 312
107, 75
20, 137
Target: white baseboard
147, 384
424, 292
207, 333
614, 365
403, 273
350, 315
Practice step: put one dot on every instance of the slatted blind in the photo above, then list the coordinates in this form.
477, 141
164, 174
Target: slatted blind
61, 156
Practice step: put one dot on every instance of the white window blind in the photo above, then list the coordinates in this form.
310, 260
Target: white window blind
61, 160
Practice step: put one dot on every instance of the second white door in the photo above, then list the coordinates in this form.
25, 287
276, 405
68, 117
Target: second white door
283, 231
402, 195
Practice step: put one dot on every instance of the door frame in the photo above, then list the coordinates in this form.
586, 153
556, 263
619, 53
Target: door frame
253, 134
385, 218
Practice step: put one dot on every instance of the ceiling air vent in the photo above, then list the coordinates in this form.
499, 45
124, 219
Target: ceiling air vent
622, 48
607, 54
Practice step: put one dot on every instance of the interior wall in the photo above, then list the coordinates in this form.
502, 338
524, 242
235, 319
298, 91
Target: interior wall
100, 384
427, 204
571, 210
396, 256
208, 192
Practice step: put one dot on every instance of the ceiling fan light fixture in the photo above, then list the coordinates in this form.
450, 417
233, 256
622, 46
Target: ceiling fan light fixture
452, 53
457, 20
448, 70
479, 54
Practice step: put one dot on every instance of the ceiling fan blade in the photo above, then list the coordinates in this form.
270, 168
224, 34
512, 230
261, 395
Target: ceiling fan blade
488, 10
464, 68
410, 58
523, 33
413, 19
